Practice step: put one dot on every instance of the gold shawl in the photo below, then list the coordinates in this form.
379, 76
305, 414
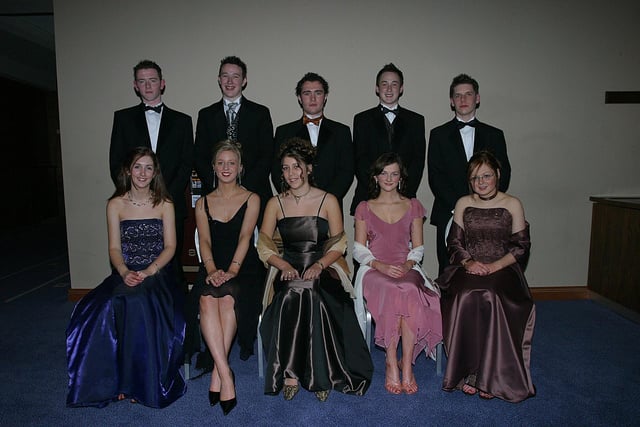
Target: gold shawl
268, 246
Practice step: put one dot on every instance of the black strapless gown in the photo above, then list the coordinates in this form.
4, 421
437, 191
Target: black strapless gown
310, 331
128, 340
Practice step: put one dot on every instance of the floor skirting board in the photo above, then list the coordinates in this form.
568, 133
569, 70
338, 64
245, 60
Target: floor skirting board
560, 293
551, 293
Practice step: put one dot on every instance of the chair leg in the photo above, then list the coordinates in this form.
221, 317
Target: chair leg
186, 370
439, 359
260, 351
368, 331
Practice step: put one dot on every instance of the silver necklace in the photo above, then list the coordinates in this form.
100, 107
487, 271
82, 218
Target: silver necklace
297, 198
136, 203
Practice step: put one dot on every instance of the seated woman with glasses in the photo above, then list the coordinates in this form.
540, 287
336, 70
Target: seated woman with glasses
488, 315
389, 246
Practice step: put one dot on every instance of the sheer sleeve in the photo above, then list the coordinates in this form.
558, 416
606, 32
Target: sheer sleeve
266, 247
457, 245
519, 245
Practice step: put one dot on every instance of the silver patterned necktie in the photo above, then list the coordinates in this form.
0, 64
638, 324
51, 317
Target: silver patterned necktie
232, 125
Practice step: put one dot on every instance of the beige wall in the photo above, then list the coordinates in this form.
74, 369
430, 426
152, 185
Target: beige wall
543, 68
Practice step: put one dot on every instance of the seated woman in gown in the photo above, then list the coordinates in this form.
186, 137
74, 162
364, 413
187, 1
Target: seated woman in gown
230, 281
488, 315
124, 339
389, 245
309, 329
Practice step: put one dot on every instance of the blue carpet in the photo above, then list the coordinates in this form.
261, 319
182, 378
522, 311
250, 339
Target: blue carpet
584, 365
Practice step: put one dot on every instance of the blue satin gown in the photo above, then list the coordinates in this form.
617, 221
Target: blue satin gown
128, 340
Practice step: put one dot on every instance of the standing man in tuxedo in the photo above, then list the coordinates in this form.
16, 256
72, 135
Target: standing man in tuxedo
388, 127
333, 167
451, 145
238, 119
169, 133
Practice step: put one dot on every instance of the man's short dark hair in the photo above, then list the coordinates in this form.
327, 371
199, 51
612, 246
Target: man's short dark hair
235, 61
390, 68
312, 77
461, 79
146, 64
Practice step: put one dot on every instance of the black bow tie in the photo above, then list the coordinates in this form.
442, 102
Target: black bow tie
462, 124
385, 110
157, 108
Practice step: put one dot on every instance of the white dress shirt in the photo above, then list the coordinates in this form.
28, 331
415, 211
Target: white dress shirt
468, 134
153, 124
314, 131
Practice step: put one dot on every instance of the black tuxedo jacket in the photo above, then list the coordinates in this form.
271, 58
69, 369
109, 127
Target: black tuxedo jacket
447, 164
370, 140
333, 166
174, 149
255, 135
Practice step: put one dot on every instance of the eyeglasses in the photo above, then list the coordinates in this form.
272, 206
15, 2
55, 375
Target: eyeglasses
482, 178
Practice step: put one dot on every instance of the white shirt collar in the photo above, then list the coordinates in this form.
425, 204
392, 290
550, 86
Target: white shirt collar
238, 100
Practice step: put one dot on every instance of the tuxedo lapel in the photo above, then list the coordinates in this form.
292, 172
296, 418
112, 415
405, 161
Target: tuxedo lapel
165, 127
456, 142
303, 132
142, 129
480, 139
399, 128
378, 122
324, 134
241, 110
243, 115
218, 117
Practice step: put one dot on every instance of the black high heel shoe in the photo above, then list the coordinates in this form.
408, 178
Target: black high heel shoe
214, 397
228, 405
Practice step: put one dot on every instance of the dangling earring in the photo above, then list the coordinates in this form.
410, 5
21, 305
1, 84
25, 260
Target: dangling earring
239, 179
214, 179
399, 186
282, 187
376, 185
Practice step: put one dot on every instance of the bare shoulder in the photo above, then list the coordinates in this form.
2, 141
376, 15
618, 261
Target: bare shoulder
512, 203
331, 199
464, 202
200, 203
330, 204
115, 205
514, 206
272, 202
253, 200
166, 206
272, 207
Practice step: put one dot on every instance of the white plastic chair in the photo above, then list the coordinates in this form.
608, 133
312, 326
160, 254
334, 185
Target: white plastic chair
365, 319
187, 363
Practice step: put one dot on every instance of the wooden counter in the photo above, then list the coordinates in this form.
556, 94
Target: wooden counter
614, 256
